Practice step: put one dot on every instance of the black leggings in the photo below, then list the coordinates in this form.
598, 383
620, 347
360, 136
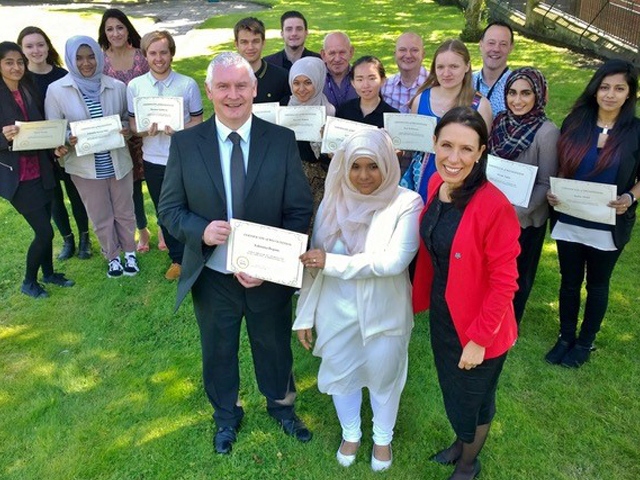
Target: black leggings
40, 253
59, 209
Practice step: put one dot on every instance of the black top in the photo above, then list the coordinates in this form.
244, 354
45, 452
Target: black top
351, 111
273, 84
279, 59
43, 80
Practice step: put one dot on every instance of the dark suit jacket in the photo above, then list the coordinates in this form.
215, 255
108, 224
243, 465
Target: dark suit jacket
276, 193
10, 160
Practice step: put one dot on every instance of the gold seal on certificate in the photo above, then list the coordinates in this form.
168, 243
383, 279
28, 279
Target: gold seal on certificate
97, 134
265, 252
336, 130
266, 111
40, 135
514, 179
165, 111
585, 200
305, 121
410, 131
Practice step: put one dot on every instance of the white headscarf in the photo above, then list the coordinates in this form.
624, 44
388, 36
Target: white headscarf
315, 70
344, 212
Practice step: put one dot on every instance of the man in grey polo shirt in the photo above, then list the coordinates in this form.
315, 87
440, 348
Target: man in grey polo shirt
159, 49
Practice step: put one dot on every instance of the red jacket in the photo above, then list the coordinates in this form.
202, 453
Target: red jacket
482, 271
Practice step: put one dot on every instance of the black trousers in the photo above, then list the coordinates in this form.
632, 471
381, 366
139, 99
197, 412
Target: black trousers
59, 209
575, 259
220, 303
154, 175
40, 253
531, 241
138, 205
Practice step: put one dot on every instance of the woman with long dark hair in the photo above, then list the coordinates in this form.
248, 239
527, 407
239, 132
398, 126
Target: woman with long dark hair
124, 61
466, 276
46, 67
523, 133
26, 178
599, 142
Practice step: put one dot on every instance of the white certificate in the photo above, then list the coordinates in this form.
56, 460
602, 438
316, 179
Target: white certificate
336, 130
267, 253
514, 179
97, 134
410, 131
306, 122
165, 111
585, 200
40, 135
266, 111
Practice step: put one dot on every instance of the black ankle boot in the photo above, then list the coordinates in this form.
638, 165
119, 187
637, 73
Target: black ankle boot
68, 247
577, 356
84, 246
559, 350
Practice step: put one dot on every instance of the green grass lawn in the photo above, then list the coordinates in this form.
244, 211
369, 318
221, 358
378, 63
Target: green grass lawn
102, 381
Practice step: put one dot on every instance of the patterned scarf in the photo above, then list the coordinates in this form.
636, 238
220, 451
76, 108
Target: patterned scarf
512, 134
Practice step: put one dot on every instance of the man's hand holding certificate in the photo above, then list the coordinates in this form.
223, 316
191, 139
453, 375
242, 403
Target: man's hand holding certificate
585, 200
97, 134
265, 252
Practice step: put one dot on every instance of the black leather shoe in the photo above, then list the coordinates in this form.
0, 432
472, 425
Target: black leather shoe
442, 459
58, 279
559, 350
224, 439
296, 428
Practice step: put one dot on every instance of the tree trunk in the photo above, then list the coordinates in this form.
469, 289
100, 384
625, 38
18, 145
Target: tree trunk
472, 30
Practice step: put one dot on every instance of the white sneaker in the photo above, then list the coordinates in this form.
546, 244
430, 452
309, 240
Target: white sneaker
115, 268
131, 265
380, 465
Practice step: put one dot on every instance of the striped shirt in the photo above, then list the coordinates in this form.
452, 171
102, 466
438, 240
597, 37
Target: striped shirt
104, 163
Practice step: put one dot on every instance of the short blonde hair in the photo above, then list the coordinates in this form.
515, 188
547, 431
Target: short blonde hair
154, 36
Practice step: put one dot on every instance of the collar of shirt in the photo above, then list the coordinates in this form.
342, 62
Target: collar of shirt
263, 68
166, 82
244, 131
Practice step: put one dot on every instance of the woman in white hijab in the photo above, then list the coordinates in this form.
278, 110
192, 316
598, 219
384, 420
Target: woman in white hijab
306, 80
356, 291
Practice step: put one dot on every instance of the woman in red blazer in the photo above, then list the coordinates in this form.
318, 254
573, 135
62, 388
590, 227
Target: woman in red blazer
466, 275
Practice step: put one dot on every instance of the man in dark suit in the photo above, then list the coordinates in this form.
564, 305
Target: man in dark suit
199, 196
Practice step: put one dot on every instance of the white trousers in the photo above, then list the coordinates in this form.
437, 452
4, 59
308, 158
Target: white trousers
384, 415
